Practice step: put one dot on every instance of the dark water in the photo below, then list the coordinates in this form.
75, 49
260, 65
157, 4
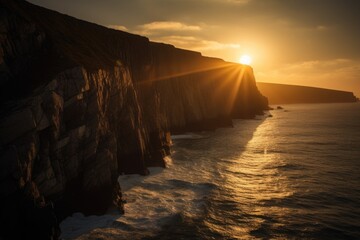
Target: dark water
295, 175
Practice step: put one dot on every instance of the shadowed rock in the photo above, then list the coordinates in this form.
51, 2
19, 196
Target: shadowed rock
81, 104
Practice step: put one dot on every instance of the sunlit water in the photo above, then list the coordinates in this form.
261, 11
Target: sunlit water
295, 175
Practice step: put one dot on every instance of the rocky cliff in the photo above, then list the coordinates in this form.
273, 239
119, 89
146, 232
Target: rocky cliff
81, 104
287, 94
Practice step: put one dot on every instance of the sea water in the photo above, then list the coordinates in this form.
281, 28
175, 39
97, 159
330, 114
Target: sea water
295, 175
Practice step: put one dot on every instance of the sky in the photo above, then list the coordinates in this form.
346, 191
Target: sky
302, 42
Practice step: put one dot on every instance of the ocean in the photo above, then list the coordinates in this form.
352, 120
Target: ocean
292, 175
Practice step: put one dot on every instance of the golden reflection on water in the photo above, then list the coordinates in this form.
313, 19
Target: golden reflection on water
257, 180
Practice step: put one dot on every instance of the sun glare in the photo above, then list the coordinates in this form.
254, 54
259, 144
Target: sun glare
245, 59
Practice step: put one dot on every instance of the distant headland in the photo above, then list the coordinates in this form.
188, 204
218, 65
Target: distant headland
287, 94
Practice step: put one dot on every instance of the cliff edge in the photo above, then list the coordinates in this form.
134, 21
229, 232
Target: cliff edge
81, 104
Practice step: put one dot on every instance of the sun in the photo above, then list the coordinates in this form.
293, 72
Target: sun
245, 59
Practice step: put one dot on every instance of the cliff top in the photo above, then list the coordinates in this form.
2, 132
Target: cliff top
38, 43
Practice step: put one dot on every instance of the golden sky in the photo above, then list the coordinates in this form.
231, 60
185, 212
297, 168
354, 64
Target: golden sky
303, 42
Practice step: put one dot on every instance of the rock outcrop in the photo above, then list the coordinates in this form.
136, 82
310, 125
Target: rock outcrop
81, 104
288, 94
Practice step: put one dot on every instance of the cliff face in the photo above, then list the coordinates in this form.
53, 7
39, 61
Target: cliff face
202, 92
286, 94
81, 104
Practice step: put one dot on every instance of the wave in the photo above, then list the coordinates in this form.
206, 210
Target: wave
306, 186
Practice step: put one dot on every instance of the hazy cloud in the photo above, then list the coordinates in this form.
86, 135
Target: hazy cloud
118, 27
238, 1
166, 26
322, 27
182, 35
195, 43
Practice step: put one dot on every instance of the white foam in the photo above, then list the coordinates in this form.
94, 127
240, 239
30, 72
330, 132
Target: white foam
152, 201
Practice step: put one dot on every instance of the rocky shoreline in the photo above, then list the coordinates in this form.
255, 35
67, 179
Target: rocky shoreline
81, 104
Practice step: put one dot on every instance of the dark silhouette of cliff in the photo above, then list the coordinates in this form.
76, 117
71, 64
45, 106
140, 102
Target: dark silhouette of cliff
81, 104
286, 94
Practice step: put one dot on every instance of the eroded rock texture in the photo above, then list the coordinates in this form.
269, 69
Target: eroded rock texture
81, 104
